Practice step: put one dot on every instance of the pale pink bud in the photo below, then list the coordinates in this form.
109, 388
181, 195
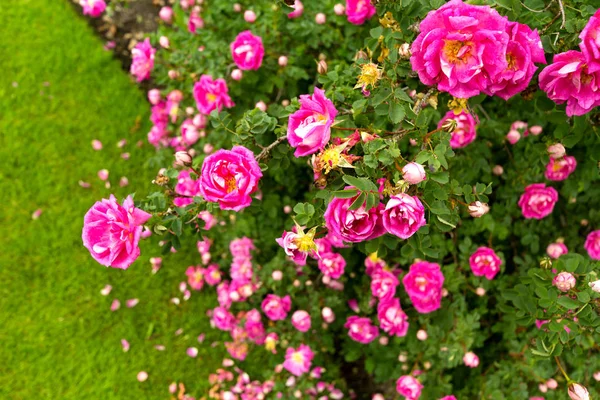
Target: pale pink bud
291, 381
166, 14
376, 396
183, 158
480, 291
384, 340
237, 74
564, 281
285, 102
513, 136
339, 9
402, 358
578, 392
249, 16
556, 151
121, 143
422, 334
192, 352
107, 185
154, 96
164, 42
123, 181
96, 145
142, 376
261, 106
497, 170
478, 209
542, 387
535, 130
595, 286
173, 74
282, 61
320, 18
413, 142
296, 283
287, 209
552, 384
328, 315
413, 173
277, 275
404, 50
208, 148
237, 7
597, 376
103, 174
471, 360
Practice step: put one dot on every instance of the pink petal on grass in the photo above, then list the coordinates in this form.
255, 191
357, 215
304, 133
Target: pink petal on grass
116, 304
132, 303
142, 376
103, 174
123, 181
36, 214
125, 345
96, 145
85, 185
178, 331
121, 143
201, 337
160, 347
106, 290
192, 352
186, 295
173, 387
125, 156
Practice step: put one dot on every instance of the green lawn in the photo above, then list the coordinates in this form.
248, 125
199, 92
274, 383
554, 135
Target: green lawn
59, 340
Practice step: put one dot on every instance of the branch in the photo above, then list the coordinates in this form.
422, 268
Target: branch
266, 150
562, 13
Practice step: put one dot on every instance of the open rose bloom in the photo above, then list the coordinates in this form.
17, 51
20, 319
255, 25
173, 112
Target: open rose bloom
392, 319
538, 201
298, 361
229, 177
142, 60
464, 132
361, 330
111, 232
409, 387
560, 169
485, 262
592, 245
93, 8
247, 51
424, 283
359, 11
403, 215
309, 128
590, 42
211, 94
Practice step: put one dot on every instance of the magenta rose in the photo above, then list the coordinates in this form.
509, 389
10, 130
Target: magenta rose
142, 60
383, 284
298, 361
560, 169
185, 186
353, 225
392, 319
460, 48
485, 262
538, 201
569, 79
555, 250
359, 11
301, 320
93, 8
332, 265
229, 177
276, 308
409, 387
247, 51
223, 319
403, 215
523, 50
423, 283
211, 94
309, 128
361, 330
111, 232
288, 242
465, 131
592, 245
590, 42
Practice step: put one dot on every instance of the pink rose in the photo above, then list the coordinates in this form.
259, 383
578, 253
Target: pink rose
298, 10
523, 50
223, 319
413, 173
471, 360
189, 132
592, 245
195, 22
185, 186
358, 11
465, 131
461, 48
111, 232
241, 248
424, 283
211, 94
229, 177
195, 277
555, 250
383, 284
568, 79
391, 318
298, 361
538, 201
361, 330
590, 42
142, 61
353, 225
288, 241
275, 307
403, 215
332, 265
309, 128
564, 281
301, 320
559, 170
409, 387
578, 392
485, 262
212, 275
93, 8
247, 51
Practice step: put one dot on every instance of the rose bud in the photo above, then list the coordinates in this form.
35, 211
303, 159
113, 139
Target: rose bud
249, 16
339, 9
183, 158
551, 384
320, 18
535, 130
154, 96
282, 61
166, 14
237, 74
578, 392
237, 7
328, 315
595, 286
513, 136
471, 360
498, 170
422, 334
556, 151
478, 209
322, 67
413, 173
261, 106
173, 74
164, 42
404, 50
564, 281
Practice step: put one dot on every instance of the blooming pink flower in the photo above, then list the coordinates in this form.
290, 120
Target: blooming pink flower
142, 61
555, 250
424, 283
383, 284
361, 330
229, 177
298, 10
195, 22
166, 14
465, 131
93, 8
309, 128
189, 132
298, 361
359, 11
223, 319
332, 265
451, 397
111, 232
241, 247
208, 218
211, 94
559, 170
538, 201
471, 360
275, 307
568, 79
391, 317
301, 320
195, 277
564, 281
485, 262
212, 275
590, 42
238, 350
185, 186
353, 225
523, 50
592, 245
461, 48
288, 241
409, 387
403, 215
413, 173
247, 51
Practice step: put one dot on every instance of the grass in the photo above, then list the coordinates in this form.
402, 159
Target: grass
59, 90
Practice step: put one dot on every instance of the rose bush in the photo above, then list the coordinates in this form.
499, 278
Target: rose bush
373, 188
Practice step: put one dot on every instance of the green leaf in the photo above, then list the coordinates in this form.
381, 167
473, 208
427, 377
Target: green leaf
360, 200
568, 302
397, 113
345, 194
362, 184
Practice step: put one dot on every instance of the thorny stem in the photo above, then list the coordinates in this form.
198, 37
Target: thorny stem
560, 367
270, 147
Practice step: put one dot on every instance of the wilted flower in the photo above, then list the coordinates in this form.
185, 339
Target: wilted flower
478, 209
370, 73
